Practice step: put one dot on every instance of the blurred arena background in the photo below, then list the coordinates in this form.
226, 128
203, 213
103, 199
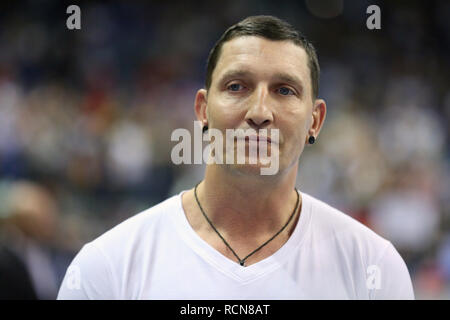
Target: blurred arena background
86, 117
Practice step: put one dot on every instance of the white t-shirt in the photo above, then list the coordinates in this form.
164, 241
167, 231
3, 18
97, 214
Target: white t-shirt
157, 255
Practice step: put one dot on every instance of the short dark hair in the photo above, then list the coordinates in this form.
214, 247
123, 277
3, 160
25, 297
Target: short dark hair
271, 28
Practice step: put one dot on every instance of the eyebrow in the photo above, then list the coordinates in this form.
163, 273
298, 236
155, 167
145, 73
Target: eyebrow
235, 74
280, 76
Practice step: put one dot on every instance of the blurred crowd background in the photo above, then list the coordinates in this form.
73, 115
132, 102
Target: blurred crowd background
86, 118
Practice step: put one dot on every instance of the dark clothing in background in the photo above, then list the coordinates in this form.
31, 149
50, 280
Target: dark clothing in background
15, 282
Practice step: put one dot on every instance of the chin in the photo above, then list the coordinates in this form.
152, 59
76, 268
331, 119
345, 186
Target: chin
250, 169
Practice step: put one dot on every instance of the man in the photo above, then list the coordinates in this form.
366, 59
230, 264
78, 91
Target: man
240, 234
29, 230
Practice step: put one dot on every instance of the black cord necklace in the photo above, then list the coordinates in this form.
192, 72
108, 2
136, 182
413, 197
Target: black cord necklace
242, 261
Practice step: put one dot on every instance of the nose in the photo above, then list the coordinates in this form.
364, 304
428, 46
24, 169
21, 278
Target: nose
259, 114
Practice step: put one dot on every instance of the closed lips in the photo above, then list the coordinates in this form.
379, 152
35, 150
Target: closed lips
258, 138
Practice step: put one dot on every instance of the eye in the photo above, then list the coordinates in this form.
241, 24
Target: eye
234, 87
286, 91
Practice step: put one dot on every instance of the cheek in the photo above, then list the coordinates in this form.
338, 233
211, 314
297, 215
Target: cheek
297, 121
225, 114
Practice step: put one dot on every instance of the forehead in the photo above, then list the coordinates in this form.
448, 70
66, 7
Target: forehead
263, 56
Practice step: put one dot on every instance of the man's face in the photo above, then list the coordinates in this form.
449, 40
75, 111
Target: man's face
263, 84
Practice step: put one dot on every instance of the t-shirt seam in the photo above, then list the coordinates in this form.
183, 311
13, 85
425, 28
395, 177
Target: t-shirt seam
110, 265
378, 263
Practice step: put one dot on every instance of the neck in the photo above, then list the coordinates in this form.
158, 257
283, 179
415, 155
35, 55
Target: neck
243, 206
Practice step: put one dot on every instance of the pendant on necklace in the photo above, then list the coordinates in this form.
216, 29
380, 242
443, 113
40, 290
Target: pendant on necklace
242, 263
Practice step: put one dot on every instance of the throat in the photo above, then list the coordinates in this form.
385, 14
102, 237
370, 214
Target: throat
243, 239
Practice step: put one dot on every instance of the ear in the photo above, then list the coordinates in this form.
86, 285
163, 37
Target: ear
200, 105
318, 117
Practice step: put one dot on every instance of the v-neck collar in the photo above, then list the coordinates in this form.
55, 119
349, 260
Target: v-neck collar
232, 268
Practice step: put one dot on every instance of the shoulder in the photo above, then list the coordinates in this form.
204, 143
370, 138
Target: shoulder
335, 225
102, 262
362, 249
139, 232
352, 242
145, 224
